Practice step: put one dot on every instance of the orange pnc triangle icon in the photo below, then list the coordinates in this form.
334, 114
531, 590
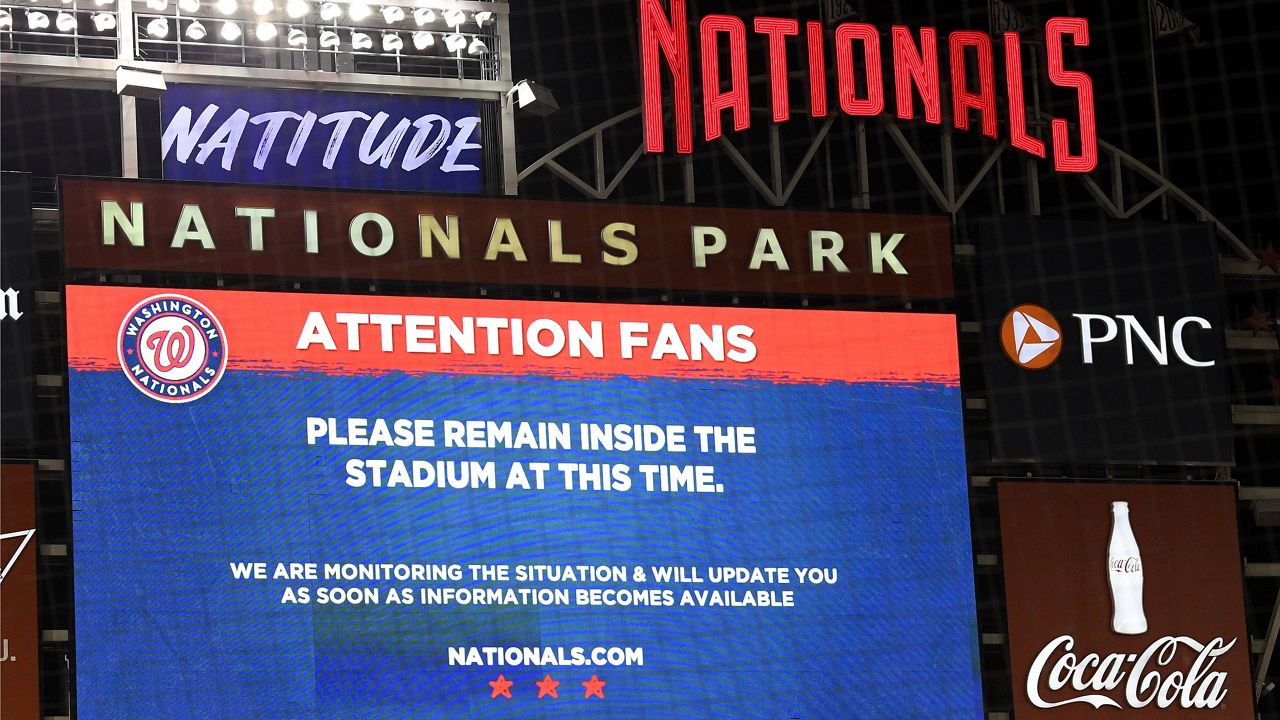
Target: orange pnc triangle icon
1031, 337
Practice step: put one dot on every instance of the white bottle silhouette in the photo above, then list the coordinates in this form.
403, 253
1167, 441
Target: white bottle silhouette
1124, 565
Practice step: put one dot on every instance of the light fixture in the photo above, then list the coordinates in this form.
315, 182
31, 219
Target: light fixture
66, 22
424, 16
423, 39
297, 38
158, 5
190, 7
104, 22
297, 8
392, 14
158, 28
196, 31
483, 17
37, 20
533, 98
230, 31
263, 7
6, 20
454, 18
103, 3
330, 11
361, 41
265, 31
392, 42
454, 42
227, 7
358, 10
477, 47
134, 82
328, 39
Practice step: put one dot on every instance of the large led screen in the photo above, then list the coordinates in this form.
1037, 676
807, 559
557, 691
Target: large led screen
319, 506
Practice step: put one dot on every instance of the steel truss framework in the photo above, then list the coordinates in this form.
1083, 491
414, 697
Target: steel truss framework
1109, 184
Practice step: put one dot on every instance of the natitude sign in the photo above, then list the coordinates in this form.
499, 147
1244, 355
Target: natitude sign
322, 139
664, 36
1126, 599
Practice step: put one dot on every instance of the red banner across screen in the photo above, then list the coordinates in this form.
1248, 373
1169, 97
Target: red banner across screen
357, 335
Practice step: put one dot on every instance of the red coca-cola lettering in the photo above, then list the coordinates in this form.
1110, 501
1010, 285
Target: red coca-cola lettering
171, 350
664, 42
1141, 675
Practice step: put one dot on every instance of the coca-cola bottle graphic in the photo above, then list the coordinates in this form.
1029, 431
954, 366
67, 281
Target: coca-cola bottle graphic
1124, 564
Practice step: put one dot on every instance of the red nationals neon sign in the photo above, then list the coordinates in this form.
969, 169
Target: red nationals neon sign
664, 41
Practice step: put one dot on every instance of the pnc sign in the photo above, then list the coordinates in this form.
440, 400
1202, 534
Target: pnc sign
1032, 337
664, 41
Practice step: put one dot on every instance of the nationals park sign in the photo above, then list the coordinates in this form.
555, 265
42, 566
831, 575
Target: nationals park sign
664, 41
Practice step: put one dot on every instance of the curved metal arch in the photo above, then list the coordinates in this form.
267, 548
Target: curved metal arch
598, 184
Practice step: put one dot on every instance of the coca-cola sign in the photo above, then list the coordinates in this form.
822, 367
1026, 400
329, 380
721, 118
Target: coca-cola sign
1118, 680
1100, 617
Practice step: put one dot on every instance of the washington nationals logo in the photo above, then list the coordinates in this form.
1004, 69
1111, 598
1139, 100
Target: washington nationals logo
172, 348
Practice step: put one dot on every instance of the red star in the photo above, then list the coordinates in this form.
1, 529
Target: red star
501, 686
547, 686
1259, 320
129, 351
594, 686
215, 353
1269, 257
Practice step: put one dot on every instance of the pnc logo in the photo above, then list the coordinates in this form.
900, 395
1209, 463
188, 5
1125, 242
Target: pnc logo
1031, 337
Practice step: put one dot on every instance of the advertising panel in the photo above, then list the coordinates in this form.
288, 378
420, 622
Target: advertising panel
387, 507
1124, 601
18, 275
187, 227
310, 138
1104, 344
19, 624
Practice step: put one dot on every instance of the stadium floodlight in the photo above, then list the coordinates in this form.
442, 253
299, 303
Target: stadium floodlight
358, 10
392, 42
330, 11
477, 47
37, 20
533, 98
483, 17
104, 22
454, 42
103, 3
158, 28
361, 41
392, 14
423, 39
230, 31
66, 22
424, 16
227, 7
265, 31
196, 31
6, 20
297, 9
158, 5
297, 38
329, 39
137, 83
263, 7
454, 18
190, 7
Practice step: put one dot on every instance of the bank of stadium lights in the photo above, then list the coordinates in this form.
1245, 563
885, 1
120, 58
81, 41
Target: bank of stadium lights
230, 31
37, 20
263, 7
265, 31
197, 31
158, 28
297, 38
190, 7
297, 9
329, 40
358, 10
227, 7
104, 22
423, 39
66, 22
424, 16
